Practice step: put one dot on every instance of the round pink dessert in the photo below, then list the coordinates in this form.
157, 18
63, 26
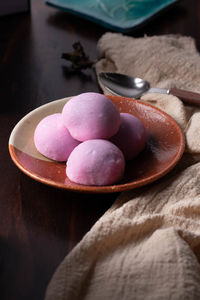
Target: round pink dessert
91, 116
131, 137
52, 139
95, 162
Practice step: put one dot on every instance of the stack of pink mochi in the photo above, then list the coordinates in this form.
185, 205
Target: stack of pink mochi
93, 137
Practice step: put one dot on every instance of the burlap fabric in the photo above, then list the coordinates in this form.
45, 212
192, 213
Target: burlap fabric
147, 245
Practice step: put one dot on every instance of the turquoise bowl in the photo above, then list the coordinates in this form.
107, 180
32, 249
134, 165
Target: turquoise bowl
117, 15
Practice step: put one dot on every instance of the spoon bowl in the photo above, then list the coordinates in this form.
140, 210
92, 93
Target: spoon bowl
127, 86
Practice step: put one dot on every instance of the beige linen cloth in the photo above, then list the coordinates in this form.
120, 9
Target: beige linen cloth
147, 245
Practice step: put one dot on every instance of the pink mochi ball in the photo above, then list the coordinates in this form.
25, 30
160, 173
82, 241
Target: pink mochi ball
131, 137
52, 138
91, 116
95, 162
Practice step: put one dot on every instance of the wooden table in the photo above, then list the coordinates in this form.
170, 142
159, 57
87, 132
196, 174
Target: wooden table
39, 224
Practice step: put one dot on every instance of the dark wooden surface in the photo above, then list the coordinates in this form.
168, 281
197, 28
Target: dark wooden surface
39, 225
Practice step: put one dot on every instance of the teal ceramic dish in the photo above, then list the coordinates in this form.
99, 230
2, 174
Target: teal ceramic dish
117, 15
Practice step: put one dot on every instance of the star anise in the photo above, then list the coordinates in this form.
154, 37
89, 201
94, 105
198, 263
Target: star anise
79, 60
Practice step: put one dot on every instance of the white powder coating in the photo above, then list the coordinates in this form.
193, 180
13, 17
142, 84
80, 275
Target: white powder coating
95, 162
52, 139
91, 116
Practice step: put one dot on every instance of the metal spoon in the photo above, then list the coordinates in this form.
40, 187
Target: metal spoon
133, 87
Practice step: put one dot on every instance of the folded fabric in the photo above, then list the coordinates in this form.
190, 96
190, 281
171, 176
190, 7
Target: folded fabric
147, 245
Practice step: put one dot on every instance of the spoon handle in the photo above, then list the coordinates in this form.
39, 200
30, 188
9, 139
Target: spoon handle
186, 96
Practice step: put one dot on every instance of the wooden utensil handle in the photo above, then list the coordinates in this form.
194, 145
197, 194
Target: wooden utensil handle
186, 96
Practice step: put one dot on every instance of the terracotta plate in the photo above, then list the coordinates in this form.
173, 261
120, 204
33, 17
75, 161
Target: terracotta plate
164, 148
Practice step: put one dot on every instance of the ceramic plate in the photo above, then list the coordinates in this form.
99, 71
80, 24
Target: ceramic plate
164, 147
118, 15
